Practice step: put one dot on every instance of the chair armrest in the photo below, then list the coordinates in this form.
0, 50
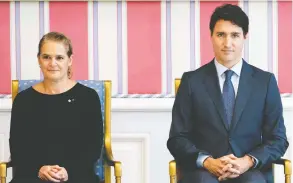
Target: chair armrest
287, 168
172, 168
111, 162
7, 164
3, 171
3, 168
173, 171
117, 170
287, 165
110, 159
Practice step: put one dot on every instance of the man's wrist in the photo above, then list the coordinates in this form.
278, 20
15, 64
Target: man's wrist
200, 159
250, 160
206, 162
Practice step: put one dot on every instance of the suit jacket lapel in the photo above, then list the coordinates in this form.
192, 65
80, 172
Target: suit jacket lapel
244, 91
213, 88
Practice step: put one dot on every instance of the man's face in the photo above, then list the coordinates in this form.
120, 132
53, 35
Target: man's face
228, 41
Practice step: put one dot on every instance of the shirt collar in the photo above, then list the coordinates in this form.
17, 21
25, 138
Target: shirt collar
221, 69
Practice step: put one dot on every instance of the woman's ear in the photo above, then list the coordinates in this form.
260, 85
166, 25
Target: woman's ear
70, 61
39, 61
69, 72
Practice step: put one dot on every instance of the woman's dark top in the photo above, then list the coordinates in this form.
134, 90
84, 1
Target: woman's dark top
62, 129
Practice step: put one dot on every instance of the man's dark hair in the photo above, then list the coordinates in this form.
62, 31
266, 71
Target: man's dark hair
232, 13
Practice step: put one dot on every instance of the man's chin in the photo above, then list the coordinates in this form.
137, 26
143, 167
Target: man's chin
228, 59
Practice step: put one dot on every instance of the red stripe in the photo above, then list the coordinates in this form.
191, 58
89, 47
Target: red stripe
71, 18
5, 70
285, 46
144, 47
206, 10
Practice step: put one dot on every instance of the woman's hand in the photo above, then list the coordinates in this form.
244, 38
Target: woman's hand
62, 173
53, 173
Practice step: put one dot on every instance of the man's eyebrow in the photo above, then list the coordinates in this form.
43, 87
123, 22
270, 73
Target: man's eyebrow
221, 32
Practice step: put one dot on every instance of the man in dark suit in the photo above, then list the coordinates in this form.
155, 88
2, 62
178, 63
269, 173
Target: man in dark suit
227, 122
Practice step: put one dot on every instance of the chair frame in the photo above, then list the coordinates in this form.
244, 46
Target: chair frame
107, 140
174, 172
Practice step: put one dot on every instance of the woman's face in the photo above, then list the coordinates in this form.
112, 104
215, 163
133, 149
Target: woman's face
53, 61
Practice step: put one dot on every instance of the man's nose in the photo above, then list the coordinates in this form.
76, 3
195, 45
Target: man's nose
227, 42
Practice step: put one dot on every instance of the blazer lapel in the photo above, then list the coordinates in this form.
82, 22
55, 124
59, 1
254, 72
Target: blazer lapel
244, 91
213, 88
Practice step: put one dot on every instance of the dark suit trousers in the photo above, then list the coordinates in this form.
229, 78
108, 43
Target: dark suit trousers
203, 176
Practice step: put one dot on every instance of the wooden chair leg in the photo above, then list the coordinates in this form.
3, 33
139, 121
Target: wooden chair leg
118, 179
118, 171
3, 172
172, 179
3, 179
287, 178
172, 172
107, 169
287, 171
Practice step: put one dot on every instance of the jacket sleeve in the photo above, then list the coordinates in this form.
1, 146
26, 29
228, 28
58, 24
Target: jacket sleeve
179, 144
274, 140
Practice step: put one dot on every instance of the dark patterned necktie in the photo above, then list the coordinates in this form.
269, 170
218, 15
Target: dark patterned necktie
229, 96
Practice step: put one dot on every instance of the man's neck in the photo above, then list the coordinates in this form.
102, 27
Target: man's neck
229, 64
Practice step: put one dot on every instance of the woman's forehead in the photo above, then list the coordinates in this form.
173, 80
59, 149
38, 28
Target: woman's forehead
53, 48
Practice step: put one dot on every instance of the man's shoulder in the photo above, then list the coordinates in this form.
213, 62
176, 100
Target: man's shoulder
259, 73
198, 73
204, 70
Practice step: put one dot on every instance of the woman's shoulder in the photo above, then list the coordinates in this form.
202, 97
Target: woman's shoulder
24, 95
85, 87
86, 91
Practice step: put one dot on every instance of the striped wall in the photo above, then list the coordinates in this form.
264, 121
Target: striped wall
140, 46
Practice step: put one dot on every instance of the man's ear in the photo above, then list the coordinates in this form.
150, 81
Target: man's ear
246, 36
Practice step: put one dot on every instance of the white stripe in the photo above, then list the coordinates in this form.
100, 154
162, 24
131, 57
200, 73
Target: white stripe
275, 38
258, 41
292, 50
29, 33
180, 39
241, 5
90, 41
163, 48
12, 41
124, 48
197, 34
107, 42
46, 17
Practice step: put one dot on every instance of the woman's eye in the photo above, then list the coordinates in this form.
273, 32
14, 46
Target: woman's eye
45, 57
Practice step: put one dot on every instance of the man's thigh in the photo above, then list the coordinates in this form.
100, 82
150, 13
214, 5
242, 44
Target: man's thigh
198, 176
203, 176
251, 176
